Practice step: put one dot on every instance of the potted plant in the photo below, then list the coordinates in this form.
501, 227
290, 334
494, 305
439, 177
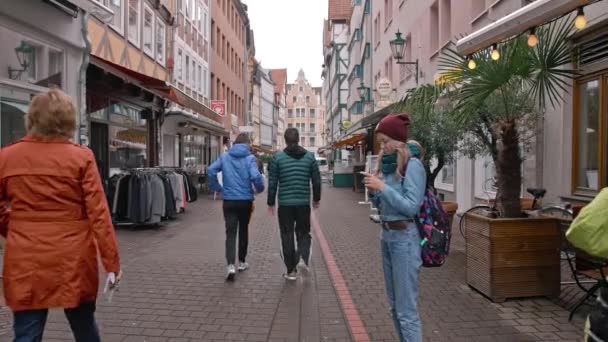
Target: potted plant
435, 129
499, 102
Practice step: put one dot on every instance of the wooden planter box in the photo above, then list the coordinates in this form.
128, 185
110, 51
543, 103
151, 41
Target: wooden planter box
450, 208
513, 258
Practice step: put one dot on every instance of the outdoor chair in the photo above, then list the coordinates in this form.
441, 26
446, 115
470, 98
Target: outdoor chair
586, 270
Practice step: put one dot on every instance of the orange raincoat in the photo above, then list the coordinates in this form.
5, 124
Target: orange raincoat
55, 217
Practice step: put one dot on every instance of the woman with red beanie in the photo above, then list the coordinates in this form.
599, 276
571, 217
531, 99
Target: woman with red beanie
398, 196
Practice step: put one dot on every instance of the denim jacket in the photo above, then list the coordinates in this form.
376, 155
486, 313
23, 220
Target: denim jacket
401, 198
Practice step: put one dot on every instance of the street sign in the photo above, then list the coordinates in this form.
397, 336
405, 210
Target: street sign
219, 107
384, 87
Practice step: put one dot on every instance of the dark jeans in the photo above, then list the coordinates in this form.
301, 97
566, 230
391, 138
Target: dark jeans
296, 219
237, 215
29, 325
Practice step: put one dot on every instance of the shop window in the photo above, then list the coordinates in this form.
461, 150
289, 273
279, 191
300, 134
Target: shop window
160, 42
12, 125
588, 158
133, 30
148, 31
125, 115
117, 18
193, 152
128, 148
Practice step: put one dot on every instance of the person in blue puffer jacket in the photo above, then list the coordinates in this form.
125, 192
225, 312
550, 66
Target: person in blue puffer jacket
241, 178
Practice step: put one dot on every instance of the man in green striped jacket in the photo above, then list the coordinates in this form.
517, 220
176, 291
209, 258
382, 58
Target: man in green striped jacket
291, 172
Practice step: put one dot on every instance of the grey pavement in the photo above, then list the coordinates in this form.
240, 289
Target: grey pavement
174, 290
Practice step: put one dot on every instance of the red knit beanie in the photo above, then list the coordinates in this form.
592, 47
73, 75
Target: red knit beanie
395, 126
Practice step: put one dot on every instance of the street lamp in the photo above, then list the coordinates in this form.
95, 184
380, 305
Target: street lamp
22, 51
397, 47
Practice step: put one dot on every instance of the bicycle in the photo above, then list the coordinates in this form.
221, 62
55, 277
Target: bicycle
562, 211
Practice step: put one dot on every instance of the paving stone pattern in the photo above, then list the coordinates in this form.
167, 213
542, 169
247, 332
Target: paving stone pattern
174, 288
450, 310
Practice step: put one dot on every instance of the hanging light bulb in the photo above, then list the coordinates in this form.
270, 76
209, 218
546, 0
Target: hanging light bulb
580, 22
495, 54
532, 38
472, 64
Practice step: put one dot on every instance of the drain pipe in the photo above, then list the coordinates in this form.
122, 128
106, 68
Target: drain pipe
83, 127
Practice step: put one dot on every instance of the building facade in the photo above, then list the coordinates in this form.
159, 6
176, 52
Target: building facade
230, 41
306, 112
279, 77
129, 83
335, 67
254, 98
43, 46
192, 135
570, 140
267, 110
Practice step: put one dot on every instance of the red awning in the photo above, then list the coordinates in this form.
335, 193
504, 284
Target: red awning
154, 85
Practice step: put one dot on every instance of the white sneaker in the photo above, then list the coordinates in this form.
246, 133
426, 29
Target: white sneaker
290, 276
243, 266
302, 265
230, 272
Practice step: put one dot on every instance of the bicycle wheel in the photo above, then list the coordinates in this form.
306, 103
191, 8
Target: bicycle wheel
481, 209
557, 212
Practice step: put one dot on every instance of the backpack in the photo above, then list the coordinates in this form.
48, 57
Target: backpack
434, 228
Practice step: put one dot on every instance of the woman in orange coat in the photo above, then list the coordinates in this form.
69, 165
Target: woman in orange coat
55, 218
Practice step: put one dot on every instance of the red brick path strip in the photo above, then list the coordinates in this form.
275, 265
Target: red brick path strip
353, 319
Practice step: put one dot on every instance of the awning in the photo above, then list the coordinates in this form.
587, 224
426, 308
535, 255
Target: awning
154, 85
352, 140
181, 121
525, 18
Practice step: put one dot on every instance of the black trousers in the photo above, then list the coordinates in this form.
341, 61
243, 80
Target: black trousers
237, 215
295, 219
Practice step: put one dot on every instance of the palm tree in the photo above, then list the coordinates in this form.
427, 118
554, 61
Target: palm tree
499, 101
432, 126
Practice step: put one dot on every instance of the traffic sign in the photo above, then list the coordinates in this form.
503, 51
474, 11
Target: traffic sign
219, 107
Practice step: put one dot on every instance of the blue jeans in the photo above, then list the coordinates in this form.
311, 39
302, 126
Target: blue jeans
401, 262
29, 325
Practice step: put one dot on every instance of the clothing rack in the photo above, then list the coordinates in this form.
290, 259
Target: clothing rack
148, 196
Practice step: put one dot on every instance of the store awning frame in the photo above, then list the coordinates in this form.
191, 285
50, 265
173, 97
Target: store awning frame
350, 141
534, 14
198, 123
156, 86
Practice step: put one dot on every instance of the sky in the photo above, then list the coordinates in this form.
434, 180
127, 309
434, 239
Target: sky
289, 34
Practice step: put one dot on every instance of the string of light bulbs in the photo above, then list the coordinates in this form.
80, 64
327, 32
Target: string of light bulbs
580, 22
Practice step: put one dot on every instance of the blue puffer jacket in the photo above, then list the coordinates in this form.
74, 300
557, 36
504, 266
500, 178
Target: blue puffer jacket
240, 174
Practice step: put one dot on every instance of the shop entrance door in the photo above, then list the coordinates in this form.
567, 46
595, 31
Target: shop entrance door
99, 145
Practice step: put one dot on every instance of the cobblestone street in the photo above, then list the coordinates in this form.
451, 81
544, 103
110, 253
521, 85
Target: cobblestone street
174, 290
